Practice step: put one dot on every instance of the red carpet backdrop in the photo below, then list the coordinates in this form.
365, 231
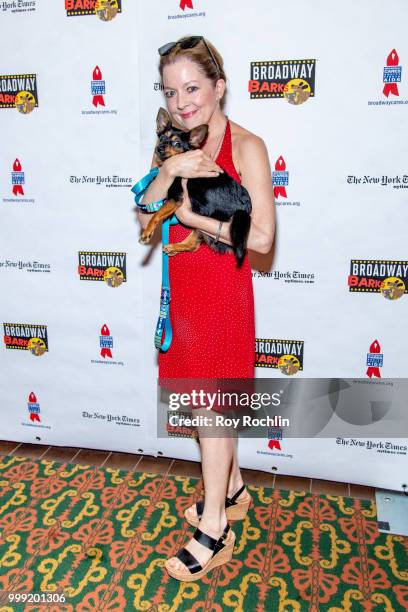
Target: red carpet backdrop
325, 85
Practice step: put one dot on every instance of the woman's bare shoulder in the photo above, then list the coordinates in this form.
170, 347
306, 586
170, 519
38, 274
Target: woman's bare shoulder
242, 134
240, 138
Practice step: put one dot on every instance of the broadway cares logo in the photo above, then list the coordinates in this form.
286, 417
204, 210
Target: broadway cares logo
183, 5
98, 92
392, 73
280, 181
17, 185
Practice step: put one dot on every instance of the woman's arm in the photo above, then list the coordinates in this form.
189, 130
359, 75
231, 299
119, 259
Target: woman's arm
192, 164
157, 190
257, 179
256, 176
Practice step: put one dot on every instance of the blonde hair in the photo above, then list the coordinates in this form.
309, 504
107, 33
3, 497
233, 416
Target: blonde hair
200, 56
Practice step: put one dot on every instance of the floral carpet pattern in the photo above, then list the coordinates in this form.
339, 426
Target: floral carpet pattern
101, 536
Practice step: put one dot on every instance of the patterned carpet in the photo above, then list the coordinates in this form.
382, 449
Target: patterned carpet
101, 537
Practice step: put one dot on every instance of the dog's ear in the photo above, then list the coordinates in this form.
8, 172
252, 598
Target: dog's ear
162, 120
198, 135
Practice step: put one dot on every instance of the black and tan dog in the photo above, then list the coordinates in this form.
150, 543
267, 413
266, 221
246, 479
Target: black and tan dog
219, 197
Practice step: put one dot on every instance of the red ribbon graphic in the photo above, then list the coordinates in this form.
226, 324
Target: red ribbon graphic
371, 370
186, 3
34, 416
97, 76
17, 189
280, 190
274, 444
105, 352
392, 60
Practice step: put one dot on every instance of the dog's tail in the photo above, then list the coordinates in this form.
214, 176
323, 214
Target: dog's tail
240, 223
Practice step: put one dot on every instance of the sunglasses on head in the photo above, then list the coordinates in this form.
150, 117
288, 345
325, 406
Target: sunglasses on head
187, 43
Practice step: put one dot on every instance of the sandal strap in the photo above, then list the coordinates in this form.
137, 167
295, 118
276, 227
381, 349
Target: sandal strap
230, 501
205, 539
189, 560
220, 542
200, 507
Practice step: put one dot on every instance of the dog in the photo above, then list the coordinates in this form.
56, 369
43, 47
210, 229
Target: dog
219, 197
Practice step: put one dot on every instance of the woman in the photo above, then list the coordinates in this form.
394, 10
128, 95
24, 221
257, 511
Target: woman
212, 308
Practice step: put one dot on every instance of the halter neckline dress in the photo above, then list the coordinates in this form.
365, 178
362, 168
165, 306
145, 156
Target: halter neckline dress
211, 307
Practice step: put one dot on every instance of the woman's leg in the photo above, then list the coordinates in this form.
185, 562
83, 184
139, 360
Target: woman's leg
216, 460
235, 480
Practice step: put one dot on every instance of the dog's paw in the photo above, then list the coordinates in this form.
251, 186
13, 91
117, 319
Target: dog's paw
145, 238
169, 249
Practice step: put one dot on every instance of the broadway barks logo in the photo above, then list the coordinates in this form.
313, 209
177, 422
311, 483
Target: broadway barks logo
102, 266
285, 355
293, 80
26, 337
378, 276
19, 91
106, 10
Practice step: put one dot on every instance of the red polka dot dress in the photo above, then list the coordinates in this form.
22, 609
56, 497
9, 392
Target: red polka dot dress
211, 308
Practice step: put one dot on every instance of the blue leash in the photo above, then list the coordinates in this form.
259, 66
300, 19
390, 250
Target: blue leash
163, 322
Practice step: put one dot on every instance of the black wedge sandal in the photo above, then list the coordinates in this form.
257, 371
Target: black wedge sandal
222, 553
235, 510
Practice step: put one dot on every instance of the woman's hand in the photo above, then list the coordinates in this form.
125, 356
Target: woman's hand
184, 212
191, 164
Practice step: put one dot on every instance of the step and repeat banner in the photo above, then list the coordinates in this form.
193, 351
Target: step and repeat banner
79, 97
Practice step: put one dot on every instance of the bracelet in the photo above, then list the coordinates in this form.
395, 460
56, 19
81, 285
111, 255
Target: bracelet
152, 206
219, 231
139, 189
